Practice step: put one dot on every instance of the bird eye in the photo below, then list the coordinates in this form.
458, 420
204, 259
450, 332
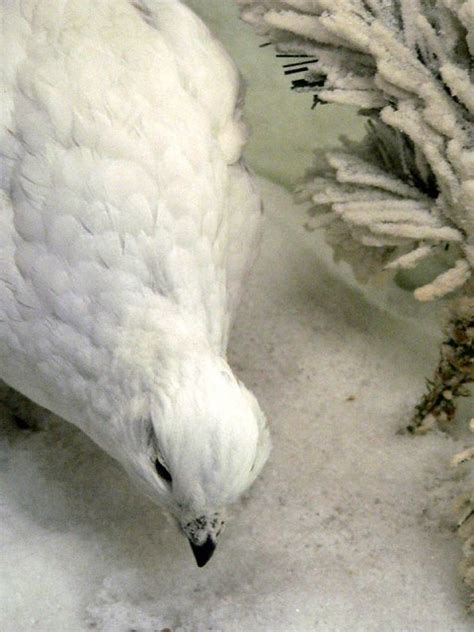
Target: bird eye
162, 471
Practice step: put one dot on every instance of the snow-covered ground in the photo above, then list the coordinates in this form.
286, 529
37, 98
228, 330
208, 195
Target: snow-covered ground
349, 529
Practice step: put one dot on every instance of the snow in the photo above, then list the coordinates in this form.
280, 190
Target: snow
350, 527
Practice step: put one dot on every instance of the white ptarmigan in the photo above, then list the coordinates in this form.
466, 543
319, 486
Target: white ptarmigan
128, 222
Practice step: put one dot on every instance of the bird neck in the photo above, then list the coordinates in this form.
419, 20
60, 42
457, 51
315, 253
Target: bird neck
154, 342
151, 353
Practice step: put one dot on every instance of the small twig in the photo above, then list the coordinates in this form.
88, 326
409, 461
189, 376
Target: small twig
455, 370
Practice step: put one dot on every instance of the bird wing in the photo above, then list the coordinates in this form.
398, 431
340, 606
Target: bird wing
120, 139
217, 86
245, 230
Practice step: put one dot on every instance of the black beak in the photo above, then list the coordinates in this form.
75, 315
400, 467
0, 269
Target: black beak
203, 552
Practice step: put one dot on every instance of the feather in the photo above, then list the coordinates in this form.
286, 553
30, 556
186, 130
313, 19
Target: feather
128, 223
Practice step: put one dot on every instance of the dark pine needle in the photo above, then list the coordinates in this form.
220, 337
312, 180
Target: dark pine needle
299, 63
291, 55
293, 70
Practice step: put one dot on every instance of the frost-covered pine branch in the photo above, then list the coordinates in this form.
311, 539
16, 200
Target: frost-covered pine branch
406, 193
455, 370
465, 512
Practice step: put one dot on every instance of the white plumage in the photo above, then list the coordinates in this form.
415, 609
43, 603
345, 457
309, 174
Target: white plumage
127, 224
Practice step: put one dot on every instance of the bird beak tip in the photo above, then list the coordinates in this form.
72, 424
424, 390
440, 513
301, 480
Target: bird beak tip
203, 552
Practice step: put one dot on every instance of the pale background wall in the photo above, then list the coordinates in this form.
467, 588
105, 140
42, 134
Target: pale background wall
285, 129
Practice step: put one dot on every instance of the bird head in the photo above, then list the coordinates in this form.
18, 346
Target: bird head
201, 446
